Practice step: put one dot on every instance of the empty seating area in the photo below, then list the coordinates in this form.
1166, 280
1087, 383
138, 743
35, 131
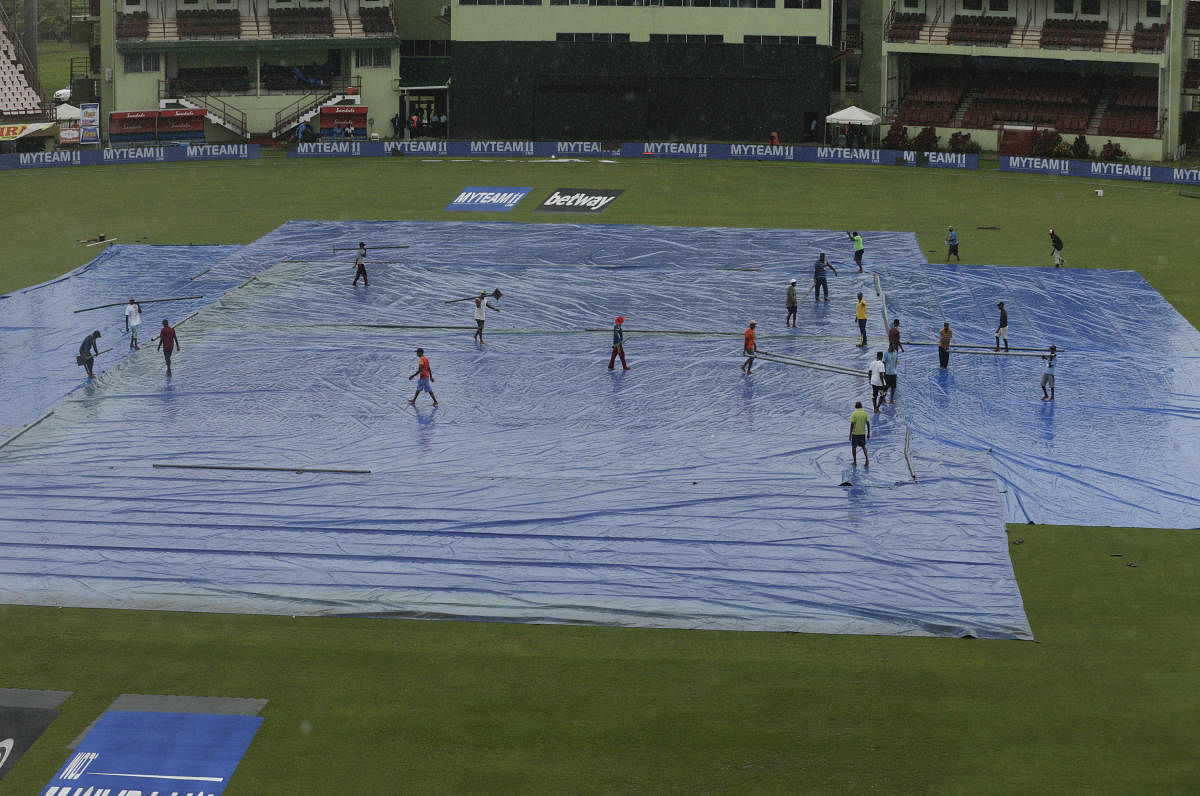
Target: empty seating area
905, 27
209, 24
1063, 101
18, 97
1137, 122
933, 97
1193, 15
211, 80
1134, 108
981, 30
133, 26
292, 78
1191, 78
1149, 40
376, 20
301, 22
1073, 34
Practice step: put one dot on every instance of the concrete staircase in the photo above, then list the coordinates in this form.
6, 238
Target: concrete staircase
961, 111
222, 117
1093, 125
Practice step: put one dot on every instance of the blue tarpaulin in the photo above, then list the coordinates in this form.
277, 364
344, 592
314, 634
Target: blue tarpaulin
545, 487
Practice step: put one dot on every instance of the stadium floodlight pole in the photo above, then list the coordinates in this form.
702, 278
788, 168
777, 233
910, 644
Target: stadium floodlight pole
146, 301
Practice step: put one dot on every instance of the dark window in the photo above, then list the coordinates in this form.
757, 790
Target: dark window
997, 5
1153, 8
912, 3
141, 62
410, 48
972, 5
367, 59
1064, 6
1089, 7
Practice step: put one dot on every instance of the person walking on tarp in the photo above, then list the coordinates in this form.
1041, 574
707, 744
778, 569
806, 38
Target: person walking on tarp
748, 348
1057, 244
894, 335
858, 248
1002, 329
791, 304
618, 344
1048, 374
952, 243
133, 319
875, 372
360, 265
168, 341
819, 277
860, 432
890, 360
860, 314
944, 345
87, 351
482, 305
426, 381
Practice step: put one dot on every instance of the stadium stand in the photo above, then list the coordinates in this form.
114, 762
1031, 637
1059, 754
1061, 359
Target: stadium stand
1193, 15
1191, 78
133, 26
1063, 101
301, 22
211, 80
19, 96
1133, 110
905, 27
933, 97
376, 20
986, 31
1149, 40
1074, 34
291, 78
209, 23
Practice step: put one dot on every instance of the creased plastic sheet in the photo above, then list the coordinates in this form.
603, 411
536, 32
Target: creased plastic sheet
40, 332
543, 488
546, 488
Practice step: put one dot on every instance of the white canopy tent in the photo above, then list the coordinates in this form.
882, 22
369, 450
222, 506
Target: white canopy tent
852, 126
66, 113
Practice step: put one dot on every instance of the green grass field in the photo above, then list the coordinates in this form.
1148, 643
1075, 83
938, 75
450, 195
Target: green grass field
54, 65
1106, 701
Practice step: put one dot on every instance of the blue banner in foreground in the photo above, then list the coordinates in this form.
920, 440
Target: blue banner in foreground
134, 752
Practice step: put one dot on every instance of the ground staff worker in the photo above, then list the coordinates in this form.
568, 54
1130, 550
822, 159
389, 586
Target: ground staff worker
791, 304
819, 277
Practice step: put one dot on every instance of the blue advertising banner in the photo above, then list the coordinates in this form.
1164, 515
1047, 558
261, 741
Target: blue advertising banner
458, 149
1105, 170
131, 154
89, 123
489, 199
141, 752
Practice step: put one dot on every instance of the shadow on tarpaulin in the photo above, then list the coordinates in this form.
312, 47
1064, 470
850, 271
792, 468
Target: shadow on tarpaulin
544, 487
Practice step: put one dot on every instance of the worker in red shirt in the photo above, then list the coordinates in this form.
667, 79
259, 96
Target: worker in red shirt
426, 377
749, 347
168, 341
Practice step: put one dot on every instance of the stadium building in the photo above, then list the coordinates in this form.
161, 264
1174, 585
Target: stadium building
1121, 70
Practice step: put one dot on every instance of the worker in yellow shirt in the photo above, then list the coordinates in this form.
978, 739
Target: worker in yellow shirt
861, 315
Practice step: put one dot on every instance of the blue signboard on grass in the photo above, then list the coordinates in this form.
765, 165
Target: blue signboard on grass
135, 752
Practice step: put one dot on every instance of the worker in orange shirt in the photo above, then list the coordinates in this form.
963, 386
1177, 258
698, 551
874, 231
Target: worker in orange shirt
749, 347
